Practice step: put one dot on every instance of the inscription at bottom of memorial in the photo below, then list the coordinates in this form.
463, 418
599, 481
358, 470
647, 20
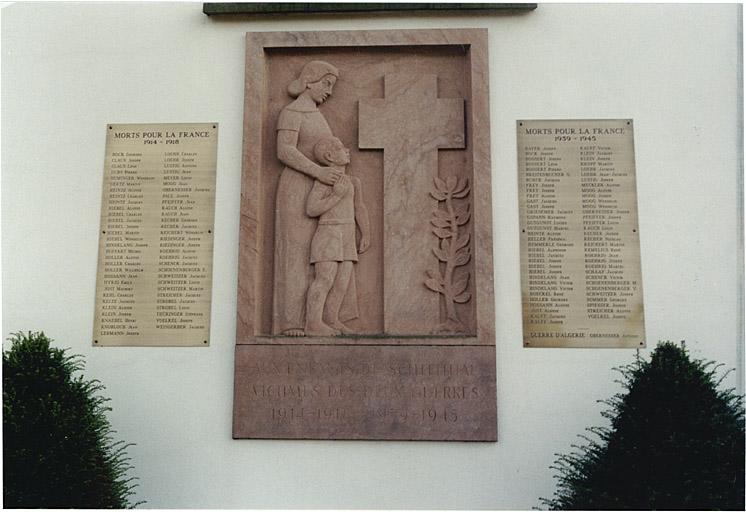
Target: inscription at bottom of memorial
398, 391
388, 394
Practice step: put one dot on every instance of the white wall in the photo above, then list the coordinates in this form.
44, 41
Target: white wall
68, 69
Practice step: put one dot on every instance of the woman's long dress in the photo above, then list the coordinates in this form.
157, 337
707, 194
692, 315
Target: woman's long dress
293, 228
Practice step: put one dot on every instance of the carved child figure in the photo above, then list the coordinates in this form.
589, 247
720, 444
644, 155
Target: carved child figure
333, 249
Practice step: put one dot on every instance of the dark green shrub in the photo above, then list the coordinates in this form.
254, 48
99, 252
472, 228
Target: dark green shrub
58, 450
675, 442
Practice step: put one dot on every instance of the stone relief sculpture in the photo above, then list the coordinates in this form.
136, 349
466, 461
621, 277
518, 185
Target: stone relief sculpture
333, 249
453, 249
299, 127
319, 206
365, 275
411, 124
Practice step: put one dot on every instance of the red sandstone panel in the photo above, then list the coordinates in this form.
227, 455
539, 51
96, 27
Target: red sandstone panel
366, 238
365, 392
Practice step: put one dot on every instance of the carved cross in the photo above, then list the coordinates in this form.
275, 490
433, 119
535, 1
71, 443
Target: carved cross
410, 124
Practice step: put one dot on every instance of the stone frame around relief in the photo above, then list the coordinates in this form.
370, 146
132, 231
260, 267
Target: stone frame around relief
252, 302
379, 385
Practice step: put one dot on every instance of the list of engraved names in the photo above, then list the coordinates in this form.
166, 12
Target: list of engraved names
580, 256
155, 245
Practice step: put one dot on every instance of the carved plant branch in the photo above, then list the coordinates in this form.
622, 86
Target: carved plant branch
453, 249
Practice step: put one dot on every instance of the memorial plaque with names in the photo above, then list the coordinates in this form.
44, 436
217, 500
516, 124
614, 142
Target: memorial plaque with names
365, 293
580, 248
154, 280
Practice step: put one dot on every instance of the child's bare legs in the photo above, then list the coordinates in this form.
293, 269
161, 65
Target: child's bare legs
326, 271
336, 295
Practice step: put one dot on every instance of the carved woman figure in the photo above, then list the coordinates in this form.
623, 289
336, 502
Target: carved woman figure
299, 127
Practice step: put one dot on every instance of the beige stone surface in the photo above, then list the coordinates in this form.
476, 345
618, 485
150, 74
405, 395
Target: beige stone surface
581, 279
154, 279
389, 245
